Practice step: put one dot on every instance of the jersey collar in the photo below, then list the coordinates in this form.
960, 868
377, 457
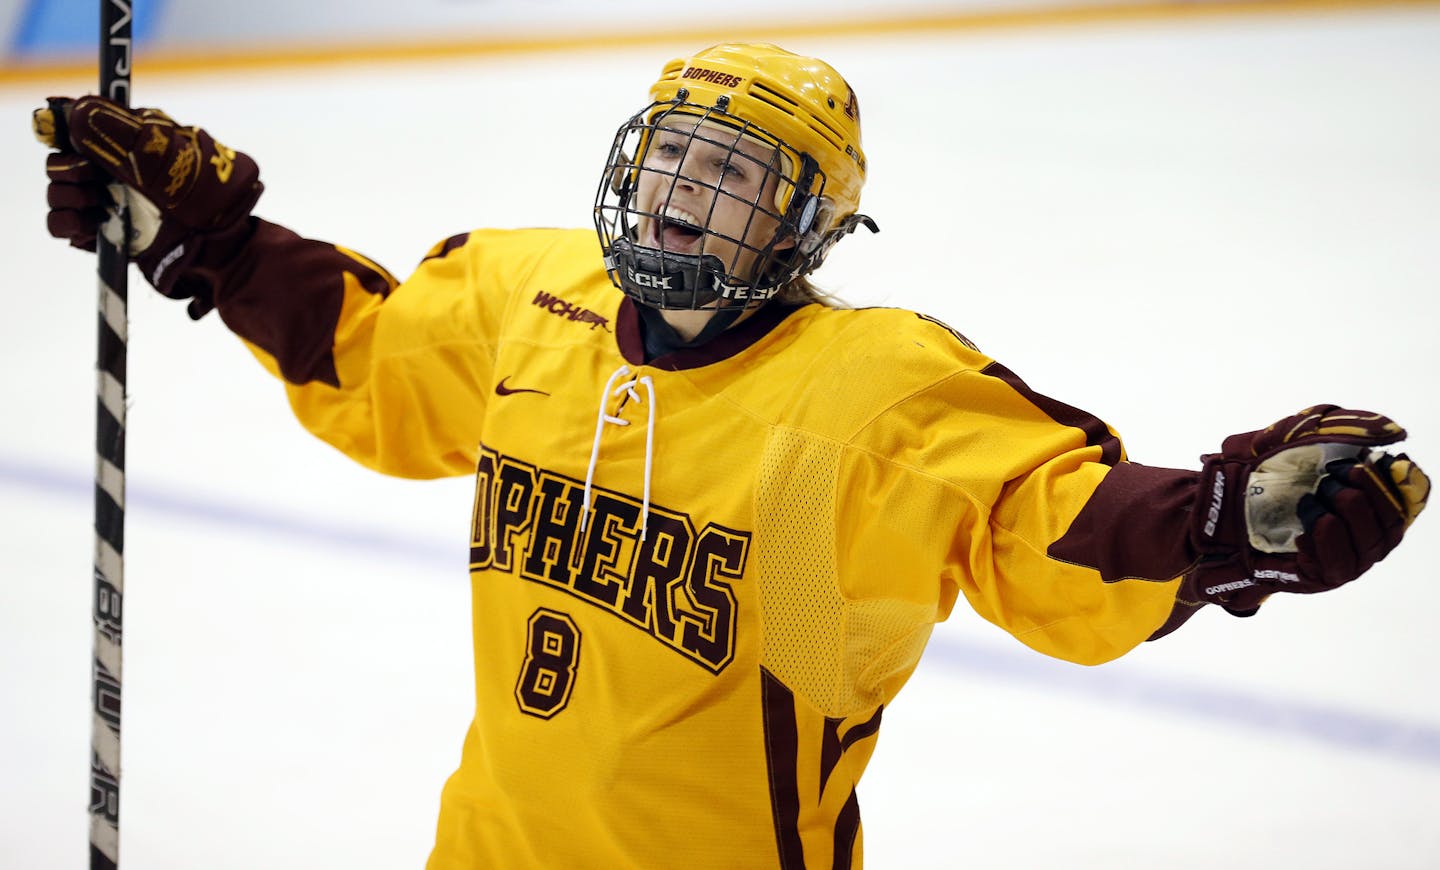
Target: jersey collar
631, 339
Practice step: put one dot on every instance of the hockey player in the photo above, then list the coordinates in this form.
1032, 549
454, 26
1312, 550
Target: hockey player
716, 514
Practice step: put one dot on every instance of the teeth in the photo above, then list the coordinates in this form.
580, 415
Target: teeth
680, 215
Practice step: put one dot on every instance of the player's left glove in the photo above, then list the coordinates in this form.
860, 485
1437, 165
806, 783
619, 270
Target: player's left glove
1305, 505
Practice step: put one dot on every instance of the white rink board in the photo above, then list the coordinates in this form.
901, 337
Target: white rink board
1188, 229
260, 22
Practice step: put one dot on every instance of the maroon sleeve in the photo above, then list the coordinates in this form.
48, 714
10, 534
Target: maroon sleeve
1137, 525
282, 292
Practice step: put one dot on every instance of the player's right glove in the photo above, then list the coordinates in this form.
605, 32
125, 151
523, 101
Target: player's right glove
183, 191
1305, 505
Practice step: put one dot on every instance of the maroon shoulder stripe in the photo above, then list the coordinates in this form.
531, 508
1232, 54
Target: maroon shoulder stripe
1096, 432
444, 248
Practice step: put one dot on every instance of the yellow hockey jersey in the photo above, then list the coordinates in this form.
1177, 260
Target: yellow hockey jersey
698, 580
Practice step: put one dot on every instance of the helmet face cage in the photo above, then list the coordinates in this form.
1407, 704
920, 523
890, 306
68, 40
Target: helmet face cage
741, 264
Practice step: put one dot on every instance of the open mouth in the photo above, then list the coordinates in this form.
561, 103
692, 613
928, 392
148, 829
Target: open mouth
677, 230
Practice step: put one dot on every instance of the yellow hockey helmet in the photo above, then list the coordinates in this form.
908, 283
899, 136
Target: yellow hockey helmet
802, 101
798, 106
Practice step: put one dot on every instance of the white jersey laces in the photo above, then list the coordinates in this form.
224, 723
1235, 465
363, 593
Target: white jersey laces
604, 417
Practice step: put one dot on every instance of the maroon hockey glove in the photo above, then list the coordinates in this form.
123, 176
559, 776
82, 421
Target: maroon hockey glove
1305, 505
183, 189
77, 198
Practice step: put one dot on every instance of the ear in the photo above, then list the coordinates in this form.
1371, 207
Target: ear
816, 215
622, 173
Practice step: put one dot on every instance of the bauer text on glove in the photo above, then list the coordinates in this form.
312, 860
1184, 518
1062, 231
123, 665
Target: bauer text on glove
1304, 505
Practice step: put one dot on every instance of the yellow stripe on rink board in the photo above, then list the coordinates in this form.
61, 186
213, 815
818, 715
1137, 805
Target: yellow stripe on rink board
250, 58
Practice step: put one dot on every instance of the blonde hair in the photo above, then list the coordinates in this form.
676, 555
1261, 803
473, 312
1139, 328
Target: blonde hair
802, 291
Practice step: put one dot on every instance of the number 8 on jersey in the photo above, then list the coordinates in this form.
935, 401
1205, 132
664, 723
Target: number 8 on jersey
548, 673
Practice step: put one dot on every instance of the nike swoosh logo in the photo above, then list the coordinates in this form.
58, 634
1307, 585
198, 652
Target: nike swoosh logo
502, 390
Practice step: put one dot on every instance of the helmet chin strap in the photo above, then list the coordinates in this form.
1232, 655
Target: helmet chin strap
666, 280
675, 281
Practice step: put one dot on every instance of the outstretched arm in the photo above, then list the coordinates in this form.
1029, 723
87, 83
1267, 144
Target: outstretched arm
1029, 508
1305, 505
192, 234
311, 311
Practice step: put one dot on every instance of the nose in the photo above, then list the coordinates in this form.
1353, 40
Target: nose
696, 171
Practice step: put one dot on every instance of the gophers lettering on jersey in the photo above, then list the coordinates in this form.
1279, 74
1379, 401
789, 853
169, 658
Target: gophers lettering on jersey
675, 584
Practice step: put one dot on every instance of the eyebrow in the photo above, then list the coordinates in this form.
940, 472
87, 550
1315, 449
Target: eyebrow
738, 144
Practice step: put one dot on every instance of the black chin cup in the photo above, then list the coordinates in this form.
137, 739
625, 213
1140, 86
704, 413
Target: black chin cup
661, 279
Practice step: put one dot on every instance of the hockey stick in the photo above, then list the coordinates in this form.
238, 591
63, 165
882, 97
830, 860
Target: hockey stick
115, 58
